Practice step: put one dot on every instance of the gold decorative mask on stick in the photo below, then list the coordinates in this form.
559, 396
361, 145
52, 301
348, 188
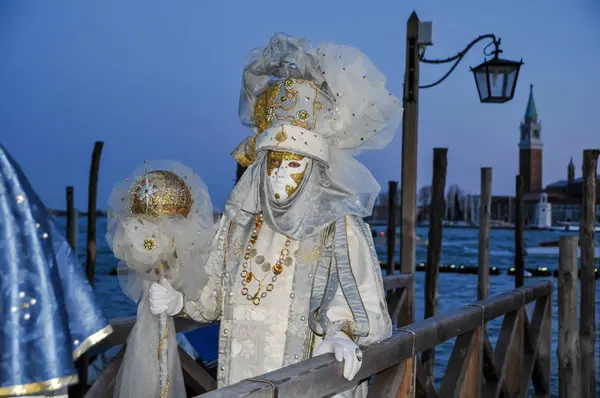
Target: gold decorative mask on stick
285, 172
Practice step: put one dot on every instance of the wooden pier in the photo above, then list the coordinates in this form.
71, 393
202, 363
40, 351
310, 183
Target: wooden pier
475, 365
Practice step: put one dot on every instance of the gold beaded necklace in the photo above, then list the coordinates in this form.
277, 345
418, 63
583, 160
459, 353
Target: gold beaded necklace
249, 256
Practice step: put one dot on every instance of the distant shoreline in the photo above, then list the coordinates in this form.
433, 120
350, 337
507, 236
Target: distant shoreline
63, 213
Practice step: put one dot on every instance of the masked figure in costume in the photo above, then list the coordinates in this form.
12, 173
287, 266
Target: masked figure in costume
48, 316
294, 272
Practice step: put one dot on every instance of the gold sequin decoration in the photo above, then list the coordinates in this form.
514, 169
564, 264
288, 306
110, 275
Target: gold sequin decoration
149, 244
289, 83
293, 94
281, 136
303, 115
159, 193
298, 177
263, 109
245, 155
290, 190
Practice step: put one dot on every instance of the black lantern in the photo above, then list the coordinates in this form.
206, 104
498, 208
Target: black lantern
496, 78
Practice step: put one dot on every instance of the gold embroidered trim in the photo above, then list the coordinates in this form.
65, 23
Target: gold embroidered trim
280, 156
263, 109
91, 341
164, 392
302, 116
245, 156
265, 106
163, 339
41, 386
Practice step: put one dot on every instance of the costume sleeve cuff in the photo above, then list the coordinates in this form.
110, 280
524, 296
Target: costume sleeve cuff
345, 332
177, 310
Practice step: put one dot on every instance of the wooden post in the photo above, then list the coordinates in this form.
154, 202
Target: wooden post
519, 239
91, 249
545, 352
587, 319
568, 328
71, 221
75, 391
516, 350
408, 189
434, 247
408, 206
391, 226
90, 264
472, 383
485, 217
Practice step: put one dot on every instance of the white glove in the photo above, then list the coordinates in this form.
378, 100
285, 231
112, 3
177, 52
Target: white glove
163, 298
344, 349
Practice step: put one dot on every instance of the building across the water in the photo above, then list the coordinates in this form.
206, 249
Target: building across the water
562, 198
555, 203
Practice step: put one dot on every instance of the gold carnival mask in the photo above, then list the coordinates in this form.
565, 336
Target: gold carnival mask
285, 172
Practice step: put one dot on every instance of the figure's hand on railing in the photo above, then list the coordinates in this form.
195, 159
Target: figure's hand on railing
345, 350
163, 298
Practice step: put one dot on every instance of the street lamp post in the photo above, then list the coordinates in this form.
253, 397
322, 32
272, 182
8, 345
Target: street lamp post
495, 79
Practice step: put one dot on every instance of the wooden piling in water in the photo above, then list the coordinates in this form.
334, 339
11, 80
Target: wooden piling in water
519, 232
90, 264
587, 318
485, 219
75, 391
515, 352
434, 247
568, 328
391, 226
71, 221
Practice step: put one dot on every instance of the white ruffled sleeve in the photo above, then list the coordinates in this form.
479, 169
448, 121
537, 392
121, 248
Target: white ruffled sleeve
207, 308
367, 273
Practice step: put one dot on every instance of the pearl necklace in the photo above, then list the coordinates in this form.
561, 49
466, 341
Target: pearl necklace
248, 276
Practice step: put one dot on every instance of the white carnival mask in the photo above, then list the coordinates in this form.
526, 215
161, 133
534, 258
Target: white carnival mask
285, 172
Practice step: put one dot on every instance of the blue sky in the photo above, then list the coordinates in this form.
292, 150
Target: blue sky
156, 79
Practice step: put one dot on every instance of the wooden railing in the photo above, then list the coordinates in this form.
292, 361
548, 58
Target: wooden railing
198, 377
475, 368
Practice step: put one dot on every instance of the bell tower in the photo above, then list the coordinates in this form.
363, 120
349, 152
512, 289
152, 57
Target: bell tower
571, 172
530, 148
